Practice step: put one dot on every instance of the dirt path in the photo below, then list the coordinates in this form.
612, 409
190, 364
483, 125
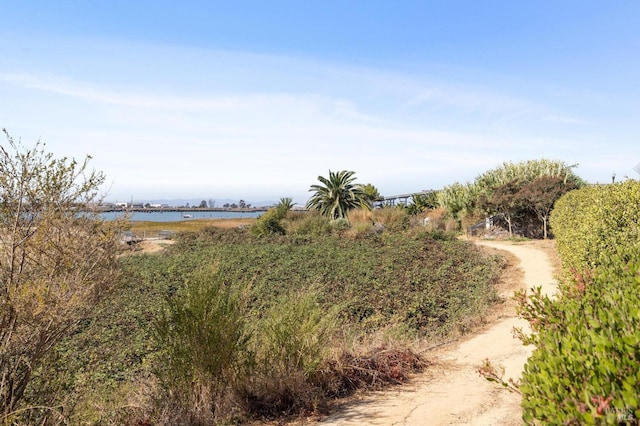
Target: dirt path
452, 392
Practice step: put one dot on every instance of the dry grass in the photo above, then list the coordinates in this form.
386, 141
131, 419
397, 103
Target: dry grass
375, 369
189, 225
152, 228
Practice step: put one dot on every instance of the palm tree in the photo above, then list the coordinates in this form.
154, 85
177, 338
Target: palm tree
285, 204
372, 193
337, 195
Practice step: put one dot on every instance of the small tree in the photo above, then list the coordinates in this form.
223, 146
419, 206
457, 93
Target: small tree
504, 201
285, 204
422, 202
541, 194
271, 221
57, 260
457, 199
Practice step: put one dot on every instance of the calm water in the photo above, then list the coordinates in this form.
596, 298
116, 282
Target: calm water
178, 216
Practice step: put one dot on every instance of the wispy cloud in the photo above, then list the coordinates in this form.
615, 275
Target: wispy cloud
560, 119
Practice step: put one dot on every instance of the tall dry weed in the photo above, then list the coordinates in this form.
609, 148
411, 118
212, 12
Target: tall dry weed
391, 218
202, 339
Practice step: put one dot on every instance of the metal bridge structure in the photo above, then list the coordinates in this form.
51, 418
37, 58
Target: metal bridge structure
401, 199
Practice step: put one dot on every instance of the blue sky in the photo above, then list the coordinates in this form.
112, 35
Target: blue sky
253, 100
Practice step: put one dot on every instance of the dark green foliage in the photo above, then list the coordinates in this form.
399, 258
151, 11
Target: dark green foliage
585, 369
371, 193
503, 201
592, 223
422, 202
271, 221
540, 195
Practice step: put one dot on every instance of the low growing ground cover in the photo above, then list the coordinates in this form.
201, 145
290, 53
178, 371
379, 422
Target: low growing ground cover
294, 315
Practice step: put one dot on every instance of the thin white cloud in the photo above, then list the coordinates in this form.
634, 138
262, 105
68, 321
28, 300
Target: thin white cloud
564, 119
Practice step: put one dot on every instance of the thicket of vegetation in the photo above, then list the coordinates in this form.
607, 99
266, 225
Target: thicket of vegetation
520, 194
55, 266
585, 368
229, 325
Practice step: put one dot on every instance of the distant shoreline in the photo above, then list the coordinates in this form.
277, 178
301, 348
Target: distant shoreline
169, 214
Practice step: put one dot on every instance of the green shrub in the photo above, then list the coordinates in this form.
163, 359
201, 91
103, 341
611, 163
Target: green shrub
312, 224
202, 341
585, 367
270, 222
290, 342
592, 223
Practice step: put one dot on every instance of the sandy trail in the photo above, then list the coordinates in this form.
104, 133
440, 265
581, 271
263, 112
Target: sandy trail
451, 392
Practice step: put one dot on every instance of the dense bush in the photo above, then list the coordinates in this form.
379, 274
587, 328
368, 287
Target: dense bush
585, 368
596, 221
271, 221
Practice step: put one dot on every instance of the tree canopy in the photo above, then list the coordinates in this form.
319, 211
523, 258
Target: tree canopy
541, 194
504, 201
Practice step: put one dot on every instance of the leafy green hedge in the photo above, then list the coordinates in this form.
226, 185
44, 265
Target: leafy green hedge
586, 367
593, 222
